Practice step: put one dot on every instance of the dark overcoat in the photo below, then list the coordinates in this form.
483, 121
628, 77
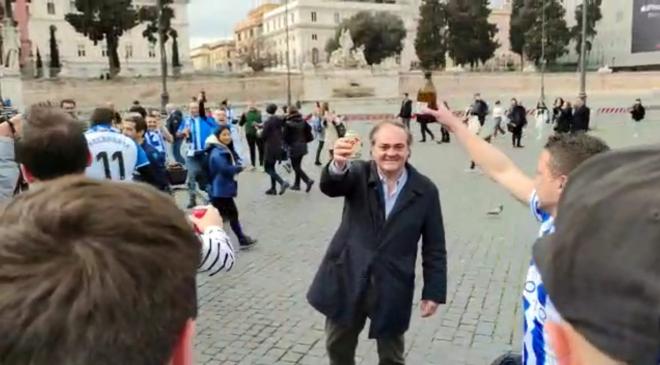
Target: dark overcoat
369, 248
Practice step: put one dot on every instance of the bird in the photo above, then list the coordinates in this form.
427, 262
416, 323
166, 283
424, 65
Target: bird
495, 212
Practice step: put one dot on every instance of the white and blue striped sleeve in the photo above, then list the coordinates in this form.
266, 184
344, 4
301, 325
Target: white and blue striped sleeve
217, 252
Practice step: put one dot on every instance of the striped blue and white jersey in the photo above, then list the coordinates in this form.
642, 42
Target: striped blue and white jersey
537, 307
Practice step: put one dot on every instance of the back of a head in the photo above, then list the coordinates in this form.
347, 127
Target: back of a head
102, 116
568, 151
52, 144
271, 109
94, 272
293, 110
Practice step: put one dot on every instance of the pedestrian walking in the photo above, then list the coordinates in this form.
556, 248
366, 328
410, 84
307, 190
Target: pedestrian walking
251, 121
498, 117
297, 134
556, 110
565, 118
479, 109
637, 112
221, 117
369, 267
406, 110
517, 122
273, 136
424, 120
562, 155
542, 117
319, 132
333, 128
581, 117
223, 169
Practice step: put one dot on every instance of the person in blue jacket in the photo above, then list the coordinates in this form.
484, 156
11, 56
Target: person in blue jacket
223, 168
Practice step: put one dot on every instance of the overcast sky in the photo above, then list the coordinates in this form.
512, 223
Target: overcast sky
214, 19
211, 20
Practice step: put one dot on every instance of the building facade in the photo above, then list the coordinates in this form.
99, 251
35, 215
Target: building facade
250, 30
311, 23
219, 56
80, 57
628, 35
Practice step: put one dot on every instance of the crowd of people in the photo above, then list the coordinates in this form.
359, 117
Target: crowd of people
95, 269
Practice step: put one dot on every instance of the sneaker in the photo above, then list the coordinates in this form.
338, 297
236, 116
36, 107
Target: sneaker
295, 188
247, 242
285, 187
310, 184
271, 192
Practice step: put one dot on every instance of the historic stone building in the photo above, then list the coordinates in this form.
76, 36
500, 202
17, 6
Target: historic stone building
81, 58
220, 56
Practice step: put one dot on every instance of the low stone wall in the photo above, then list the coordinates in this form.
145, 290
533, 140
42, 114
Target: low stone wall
319, 87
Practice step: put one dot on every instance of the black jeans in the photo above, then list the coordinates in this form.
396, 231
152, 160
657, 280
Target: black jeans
425, 129
274, 176
445, 135
319, 150
254, 141
296, 163
516, 137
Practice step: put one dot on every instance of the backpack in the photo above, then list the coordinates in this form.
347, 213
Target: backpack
309, 136
203, 177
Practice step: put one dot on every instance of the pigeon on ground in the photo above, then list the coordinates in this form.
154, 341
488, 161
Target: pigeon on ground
496, 212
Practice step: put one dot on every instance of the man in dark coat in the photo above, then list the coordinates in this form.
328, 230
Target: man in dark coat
479, 109
581, 117
369, 267
406, 110
296, 131
272, 135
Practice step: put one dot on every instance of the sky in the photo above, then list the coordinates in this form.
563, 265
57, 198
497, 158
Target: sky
211, 20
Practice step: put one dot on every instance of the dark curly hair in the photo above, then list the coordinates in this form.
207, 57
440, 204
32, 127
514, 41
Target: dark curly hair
568, 151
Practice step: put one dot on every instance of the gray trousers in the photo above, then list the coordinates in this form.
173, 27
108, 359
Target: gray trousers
341, 341
406, 122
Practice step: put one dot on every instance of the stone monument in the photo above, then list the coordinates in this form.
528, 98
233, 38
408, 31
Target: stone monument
11, 85
347, 56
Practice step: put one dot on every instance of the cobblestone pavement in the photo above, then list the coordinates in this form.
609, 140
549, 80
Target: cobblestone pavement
258, 314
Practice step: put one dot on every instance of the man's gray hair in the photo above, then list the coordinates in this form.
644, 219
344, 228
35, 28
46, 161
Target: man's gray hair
394, 123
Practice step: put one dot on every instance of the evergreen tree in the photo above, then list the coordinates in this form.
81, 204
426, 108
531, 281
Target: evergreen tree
518, 27
471, 37
594, 15
175, 51
54, 50
104, 20
431, 42
557, 33
40, 65
381, 34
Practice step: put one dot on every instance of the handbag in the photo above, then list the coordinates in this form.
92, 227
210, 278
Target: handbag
511, 127
309, 136
177, 174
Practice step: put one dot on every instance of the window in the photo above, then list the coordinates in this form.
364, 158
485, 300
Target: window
104, 51
152, 50
337, 18
238, 36
315, 56
81, 50
51, 7
315, 37
251, 33
129, 51
293, 18
314, 17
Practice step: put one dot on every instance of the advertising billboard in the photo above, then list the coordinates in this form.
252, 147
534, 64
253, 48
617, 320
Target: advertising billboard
646, 26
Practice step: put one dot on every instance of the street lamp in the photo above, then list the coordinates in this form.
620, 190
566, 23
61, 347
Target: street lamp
543, 40
164, 96
583, 53
288, 54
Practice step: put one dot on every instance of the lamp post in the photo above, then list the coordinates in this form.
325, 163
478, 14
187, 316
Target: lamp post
583, 53
543, 40
164, 96
288, 54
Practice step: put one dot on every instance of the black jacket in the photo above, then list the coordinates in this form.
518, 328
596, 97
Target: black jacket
638, 112
406, 109
581, 117
518, 116
295, 130
273, 137
368, 248
174, 121
564, 121
480, 109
